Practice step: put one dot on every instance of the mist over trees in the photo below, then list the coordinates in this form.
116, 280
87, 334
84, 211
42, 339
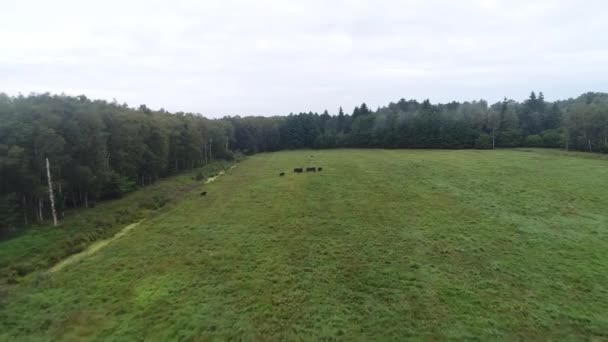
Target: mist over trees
101, 150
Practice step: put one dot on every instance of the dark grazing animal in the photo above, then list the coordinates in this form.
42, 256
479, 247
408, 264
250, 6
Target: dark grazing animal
298, 170
282, 174
319, 169
204, 193
311, 169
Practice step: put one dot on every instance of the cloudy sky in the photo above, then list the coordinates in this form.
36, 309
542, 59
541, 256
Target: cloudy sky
272, 57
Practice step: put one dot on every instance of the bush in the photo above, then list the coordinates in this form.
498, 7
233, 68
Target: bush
23, 269
11, 276
224, 154
534, 141
199, 176
238, 156
117, 186
483, 142
160, 201
123, 216
552, 139
510, 138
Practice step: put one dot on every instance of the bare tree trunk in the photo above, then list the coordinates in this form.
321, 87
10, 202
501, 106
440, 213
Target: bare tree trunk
40, 215
205, 161
86, 199
24, 203
209, 148
51, 194
589, 143
493, 140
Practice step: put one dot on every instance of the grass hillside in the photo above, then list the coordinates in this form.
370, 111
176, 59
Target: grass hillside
382, 245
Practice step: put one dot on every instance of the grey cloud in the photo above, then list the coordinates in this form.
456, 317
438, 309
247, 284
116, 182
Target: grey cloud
273, 57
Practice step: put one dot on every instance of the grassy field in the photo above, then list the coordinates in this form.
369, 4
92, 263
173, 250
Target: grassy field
41, 247
382, 245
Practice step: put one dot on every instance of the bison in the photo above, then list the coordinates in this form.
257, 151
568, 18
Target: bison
311, 169
298, 170
282, 174
319, 169
204, 193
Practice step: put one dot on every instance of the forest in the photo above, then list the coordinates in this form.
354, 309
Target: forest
98, 150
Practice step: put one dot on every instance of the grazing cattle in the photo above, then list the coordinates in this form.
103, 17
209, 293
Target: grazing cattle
298, 170
319, 169
282, 174
204, 193
311, 169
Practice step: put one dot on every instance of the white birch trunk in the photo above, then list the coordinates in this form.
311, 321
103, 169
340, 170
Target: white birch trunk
51, 195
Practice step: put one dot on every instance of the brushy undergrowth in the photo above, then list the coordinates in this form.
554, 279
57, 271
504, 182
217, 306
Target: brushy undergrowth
42, 246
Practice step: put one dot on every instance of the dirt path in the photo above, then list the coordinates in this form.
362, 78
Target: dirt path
98, 245
221, 173
212, 179
93, 248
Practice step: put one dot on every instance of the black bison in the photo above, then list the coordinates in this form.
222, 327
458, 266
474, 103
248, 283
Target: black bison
298, 170
282, 174
319, 169
311, 169
204, 193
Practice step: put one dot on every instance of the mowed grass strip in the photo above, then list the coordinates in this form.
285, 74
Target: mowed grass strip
379, 245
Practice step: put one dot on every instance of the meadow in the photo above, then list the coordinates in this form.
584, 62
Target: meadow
382, 245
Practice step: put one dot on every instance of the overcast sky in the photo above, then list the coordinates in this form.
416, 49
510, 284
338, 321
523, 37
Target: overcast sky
272, 57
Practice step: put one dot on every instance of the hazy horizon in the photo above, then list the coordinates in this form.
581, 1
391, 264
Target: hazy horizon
276, 57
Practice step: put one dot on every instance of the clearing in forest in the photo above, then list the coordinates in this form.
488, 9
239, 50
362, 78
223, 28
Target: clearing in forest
382, 244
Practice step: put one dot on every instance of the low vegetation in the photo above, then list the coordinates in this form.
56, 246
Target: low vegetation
382, 245
42, 246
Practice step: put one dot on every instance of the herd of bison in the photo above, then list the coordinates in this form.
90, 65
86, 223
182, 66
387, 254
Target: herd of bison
296, 170
301, 169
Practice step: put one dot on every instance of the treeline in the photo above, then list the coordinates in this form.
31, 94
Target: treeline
101, 150
577, 124
97, 150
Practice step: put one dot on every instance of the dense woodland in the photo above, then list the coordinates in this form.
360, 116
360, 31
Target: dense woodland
101, 150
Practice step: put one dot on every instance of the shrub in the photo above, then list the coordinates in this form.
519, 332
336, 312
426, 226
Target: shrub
224, 154
199, 176
123, 216
238, 156
552, 139
534, 141
155, 202
22, 269
11, 276
117, 186
510, 138
483, 142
